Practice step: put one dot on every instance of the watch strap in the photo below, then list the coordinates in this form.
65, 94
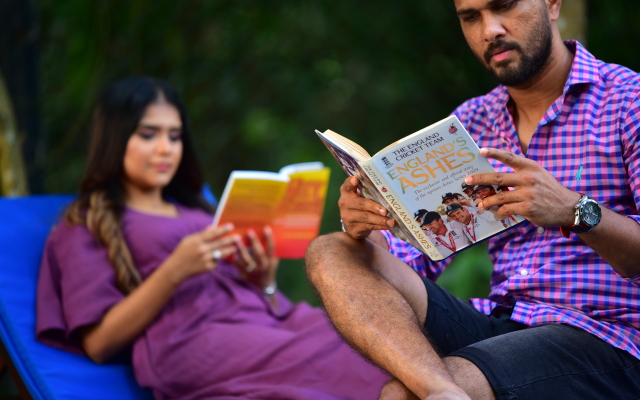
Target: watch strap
566, 230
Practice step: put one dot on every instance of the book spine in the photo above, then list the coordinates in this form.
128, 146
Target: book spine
404, 218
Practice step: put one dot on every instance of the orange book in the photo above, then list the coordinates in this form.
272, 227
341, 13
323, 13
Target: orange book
291, 201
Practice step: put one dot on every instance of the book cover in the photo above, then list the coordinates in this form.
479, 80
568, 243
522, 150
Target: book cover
290, 201
420, 180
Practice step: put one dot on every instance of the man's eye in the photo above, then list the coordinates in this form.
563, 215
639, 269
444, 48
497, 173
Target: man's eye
470, 17
505, 5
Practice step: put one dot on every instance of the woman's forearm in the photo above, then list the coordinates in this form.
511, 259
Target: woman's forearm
128, 319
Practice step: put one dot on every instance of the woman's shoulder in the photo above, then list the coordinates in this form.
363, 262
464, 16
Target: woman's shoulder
65, 229
68, 231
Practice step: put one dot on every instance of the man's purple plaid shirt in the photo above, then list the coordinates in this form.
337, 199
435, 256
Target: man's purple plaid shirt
589, 140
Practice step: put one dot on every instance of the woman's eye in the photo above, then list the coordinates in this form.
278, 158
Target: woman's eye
175, 136
146, 134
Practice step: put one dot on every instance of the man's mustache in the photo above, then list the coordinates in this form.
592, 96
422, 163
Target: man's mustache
501, 45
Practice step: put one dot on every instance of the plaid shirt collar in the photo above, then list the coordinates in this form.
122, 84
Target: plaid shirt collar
585, 69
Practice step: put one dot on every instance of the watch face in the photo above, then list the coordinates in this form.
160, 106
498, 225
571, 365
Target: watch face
590, 213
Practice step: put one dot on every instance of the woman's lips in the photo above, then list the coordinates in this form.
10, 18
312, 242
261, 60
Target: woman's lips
163, 167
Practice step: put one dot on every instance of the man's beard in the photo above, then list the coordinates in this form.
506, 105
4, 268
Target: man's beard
530, 64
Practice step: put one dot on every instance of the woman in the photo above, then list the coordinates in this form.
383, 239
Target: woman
137, 265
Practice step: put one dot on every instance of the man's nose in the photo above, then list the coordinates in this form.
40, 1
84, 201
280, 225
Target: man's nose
493, 28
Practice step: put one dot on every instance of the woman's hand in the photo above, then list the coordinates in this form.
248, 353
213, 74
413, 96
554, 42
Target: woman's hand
200, 252
257, 264
359, 215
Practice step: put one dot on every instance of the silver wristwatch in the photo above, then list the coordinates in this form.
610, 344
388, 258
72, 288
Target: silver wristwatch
588, 215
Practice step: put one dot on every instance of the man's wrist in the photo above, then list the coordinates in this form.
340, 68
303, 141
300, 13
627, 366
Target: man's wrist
570, 215
587, 216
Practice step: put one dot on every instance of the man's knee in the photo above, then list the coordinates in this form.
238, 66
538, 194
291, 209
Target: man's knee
469, 377
323, 252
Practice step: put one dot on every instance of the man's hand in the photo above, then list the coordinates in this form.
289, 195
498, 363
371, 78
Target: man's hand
360, 216
538, 196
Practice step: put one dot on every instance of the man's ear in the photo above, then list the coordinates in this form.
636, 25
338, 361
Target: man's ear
554, 8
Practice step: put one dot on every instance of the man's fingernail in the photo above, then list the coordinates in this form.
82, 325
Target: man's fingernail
468, 180
484, 151
390, 223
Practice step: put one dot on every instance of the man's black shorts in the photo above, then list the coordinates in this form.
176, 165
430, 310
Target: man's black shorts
543, 362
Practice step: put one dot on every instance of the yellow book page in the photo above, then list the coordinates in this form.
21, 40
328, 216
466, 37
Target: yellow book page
251, 204
298, 218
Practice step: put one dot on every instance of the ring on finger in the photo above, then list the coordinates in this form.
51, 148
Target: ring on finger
216, 254
250, 267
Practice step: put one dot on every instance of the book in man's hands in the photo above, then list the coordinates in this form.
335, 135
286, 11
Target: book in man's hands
290, 201
420, 181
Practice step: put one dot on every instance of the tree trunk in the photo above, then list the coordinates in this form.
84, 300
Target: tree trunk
13, 179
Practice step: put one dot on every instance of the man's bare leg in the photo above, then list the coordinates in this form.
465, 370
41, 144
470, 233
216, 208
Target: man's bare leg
396, 390
379, 305
470, 378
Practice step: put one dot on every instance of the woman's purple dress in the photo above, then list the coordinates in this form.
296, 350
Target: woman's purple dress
217, 338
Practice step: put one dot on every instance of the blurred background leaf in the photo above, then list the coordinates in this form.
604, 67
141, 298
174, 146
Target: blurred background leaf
258, 77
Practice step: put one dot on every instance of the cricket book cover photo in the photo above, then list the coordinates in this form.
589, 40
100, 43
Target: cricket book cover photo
419, 179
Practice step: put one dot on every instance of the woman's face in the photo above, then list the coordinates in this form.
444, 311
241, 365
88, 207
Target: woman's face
154, 149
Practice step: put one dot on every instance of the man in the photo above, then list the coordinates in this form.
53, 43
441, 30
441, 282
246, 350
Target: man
477, 224
448, 237
418, 215
563, 317
454, 198
481, 192
449, 198
468, 191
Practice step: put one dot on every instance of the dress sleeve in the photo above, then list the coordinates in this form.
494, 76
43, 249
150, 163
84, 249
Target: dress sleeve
76, 287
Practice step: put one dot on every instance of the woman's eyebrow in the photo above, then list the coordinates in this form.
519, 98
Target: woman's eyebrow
158, 128
148, 126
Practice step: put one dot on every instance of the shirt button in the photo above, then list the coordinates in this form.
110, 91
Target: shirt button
540, 229
524, 272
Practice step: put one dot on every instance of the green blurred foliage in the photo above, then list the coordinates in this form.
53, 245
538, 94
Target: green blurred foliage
258, 77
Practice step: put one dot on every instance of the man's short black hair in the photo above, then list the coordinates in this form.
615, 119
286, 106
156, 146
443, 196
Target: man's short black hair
430, 217
452, 207
420, 213
449, 195
483, 187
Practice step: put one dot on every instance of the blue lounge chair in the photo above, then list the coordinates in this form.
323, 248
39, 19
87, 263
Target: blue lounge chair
45, 372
